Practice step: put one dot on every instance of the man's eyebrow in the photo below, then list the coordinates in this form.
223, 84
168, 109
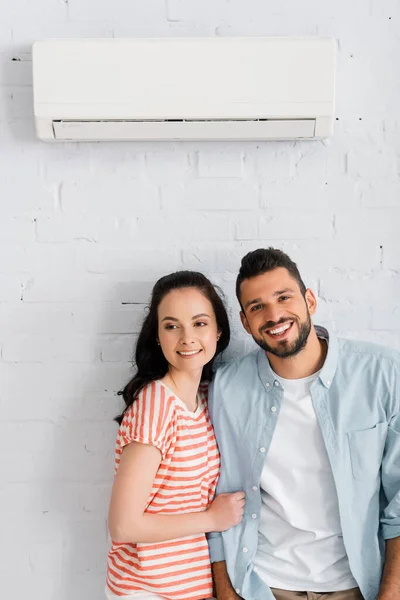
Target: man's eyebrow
277, 293
252, 302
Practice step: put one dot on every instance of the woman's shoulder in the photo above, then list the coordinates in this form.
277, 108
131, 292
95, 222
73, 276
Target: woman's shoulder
153, 397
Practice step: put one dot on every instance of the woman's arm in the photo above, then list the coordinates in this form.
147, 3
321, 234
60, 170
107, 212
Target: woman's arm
127, 519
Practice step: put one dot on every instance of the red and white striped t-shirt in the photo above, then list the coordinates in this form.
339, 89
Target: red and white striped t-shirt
185, 482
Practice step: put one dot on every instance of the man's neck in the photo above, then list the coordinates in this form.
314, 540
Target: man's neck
307, 362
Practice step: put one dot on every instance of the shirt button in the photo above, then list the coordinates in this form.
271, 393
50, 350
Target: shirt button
254, 488
237, 590
277, 383
273, 408
328, 382
254, 516
267, 384
245, 549
262, 450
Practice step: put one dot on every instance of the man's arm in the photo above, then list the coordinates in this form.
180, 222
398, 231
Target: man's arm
222, 584
390, 586
390, 519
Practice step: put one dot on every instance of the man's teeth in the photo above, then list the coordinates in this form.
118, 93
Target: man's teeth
189, 353
279, 330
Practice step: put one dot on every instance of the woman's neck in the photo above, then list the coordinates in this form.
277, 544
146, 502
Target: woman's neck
185, 385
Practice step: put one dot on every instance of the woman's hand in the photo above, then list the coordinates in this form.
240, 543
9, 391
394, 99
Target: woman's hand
226, 510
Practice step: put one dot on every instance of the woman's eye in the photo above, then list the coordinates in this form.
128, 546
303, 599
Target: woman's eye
170, 326
200, 324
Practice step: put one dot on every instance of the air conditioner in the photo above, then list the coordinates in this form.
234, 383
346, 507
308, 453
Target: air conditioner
184, 89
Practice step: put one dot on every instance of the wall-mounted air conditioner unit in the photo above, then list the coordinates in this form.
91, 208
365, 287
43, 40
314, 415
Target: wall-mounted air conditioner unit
184, 89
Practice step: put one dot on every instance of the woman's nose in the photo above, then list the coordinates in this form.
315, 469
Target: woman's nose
186, 339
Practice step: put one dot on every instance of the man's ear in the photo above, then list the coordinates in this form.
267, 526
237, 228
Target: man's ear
245, 322
311, 301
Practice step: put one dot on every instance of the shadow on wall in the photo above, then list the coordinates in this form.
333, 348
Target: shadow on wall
17, 94
82, 467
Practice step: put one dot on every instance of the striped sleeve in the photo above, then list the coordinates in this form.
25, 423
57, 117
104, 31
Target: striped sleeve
150, 419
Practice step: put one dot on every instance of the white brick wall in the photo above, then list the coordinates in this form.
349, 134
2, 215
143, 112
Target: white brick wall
86, 229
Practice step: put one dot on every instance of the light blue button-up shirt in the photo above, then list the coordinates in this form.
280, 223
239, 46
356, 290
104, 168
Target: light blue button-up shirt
356, 399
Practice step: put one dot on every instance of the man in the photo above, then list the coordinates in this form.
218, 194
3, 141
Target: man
309, 427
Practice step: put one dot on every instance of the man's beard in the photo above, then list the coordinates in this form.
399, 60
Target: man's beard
284, 348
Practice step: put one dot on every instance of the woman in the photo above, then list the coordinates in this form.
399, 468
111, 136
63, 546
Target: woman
167, 460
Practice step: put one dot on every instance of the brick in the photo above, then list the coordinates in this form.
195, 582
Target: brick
10, 288
55, 407
180, 10
168, 165
383, 338
221, 163
114, 320
390, 254
321, 257
34, 258
31, 319
369, 223
278, 225
15, 230
374, 195
387, 319
97, 258
210, 194
17, 104
15, 72
118, 348
183, 229
82, 10
105, 196
69, 289
25, 11
376, 164
358, 287
42, 349
92, 229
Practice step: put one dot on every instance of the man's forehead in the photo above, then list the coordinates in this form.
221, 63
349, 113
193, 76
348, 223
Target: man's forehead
269, 284
278, 278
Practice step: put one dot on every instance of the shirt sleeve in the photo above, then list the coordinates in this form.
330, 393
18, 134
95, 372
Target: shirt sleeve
214, 539
150, 419
390, 518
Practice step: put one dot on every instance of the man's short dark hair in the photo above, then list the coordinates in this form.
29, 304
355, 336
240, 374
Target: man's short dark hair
263, 260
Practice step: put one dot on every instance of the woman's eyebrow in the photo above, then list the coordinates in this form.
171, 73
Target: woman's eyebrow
200, 315
169, 319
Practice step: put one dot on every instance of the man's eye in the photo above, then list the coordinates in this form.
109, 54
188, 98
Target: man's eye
283, 298
256, 307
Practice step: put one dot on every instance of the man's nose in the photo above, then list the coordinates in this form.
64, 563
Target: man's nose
272, 315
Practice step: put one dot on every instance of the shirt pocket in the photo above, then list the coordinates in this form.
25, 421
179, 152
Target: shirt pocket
366, 451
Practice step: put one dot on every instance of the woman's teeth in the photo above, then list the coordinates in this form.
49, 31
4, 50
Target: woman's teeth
189, 353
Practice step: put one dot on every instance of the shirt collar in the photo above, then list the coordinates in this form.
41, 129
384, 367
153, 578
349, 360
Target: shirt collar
326, 374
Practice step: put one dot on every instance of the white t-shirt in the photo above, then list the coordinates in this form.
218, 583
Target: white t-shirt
300, 543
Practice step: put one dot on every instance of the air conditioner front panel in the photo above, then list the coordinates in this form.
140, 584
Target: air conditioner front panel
198, 78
